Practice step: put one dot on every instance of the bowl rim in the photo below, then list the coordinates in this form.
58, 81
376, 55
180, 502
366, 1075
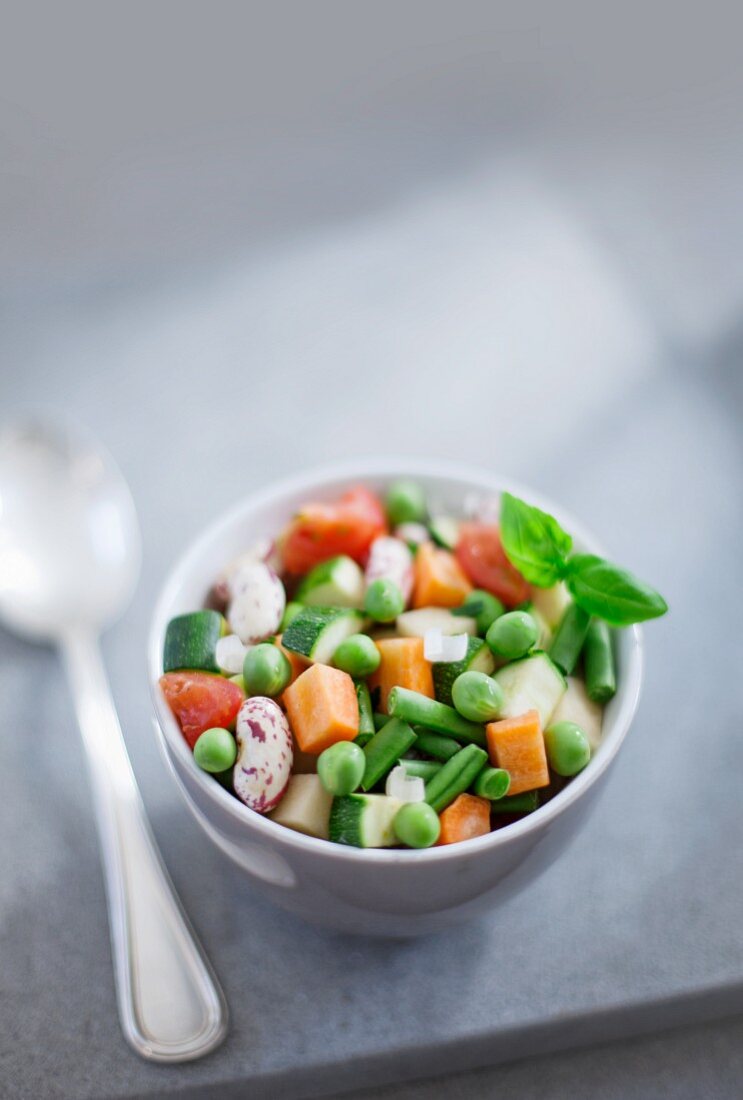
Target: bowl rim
314, 480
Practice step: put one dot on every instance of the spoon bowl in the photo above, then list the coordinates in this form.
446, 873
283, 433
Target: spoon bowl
70, 546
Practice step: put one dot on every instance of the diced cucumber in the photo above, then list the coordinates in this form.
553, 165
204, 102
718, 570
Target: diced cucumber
478, 658
416, 624
338, 582
576, 706
551, 603
316, 632
445, 531
364, 820
191, 641
305, 807
532, 683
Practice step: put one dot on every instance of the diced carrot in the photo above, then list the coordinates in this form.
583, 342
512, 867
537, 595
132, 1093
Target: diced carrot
439, 579
402, 665
322, 708
517, 744
467, 817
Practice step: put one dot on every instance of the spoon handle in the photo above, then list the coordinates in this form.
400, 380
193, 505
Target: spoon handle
170, 1004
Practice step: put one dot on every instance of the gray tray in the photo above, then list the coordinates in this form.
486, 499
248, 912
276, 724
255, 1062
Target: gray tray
637, 926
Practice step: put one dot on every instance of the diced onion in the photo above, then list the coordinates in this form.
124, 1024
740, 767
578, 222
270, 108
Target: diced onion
230, 654
412, 533
444, 648
406, 788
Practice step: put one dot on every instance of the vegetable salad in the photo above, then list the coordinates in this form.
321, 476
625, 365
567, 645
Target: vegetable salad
381, 676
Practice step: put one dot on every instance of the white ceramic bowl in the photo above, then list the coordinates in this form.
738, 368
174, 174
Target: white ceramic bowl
379, 892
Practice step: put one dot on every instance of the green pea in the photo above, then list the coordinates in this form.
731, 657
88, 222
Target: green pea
513, 635
266, 670
477, 696
341, 768
215, 750
405, 503
417, 825
357, 655
568, 750
291, 611
483, 607
383, 601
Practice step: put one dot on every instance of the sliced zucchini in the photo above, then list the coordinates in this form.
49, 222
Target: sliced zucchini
532, 683
445, 531
416, 624
576, 706
305, 807
191, 641
478, 658
338, 582
316, 632
364, 820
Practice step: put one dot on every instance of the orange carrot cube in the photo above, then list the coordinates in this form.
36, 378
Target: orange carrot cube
322, 708
402, 665
467, 817
517, 744
439, 580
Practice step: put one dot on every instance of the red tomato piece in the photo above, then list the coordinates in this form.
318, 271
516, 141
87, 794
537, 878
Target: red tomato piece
201, 700
320, 531
481, 555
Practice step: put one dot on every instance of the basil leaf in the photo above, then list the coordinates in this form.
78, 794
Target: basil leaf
533, 541
612, 593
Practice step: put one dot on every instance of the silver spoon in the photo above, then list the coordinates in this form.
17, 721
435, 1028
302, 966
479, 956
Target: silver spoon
69, 562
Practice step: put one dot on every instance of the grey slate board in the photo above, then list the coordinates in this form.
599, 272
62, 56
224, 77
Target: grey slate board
636, 927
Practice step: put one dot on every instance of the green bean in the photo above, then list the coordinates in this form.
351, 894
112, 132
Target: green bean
512, 636
435, 744
569, 638
405, 503
380, 720
455, 776
413, 707
598, 662
492, 783
423, 769
568, 750
384, 750
366, 717
383, 601
417, 825
516, 803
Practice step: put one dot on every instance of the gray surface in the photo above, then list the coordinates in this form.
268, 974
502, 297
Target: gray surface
644, 906
591, 295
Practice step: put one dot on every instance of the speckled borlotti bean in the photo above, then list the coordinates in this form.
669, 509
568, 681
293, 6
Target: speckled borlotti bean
264, 757
257, 603
390, 559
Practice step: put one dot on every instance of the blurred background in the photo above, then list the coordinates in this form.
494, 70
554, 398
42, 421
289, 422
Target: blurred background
237, 240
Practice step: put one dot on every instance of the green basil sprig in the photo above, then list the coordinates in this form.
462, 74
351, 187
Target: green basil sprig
534, 542
540, 549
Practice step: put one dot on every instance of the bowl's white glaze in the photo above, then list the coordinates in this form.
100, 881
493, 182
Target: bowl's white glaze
382, 892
